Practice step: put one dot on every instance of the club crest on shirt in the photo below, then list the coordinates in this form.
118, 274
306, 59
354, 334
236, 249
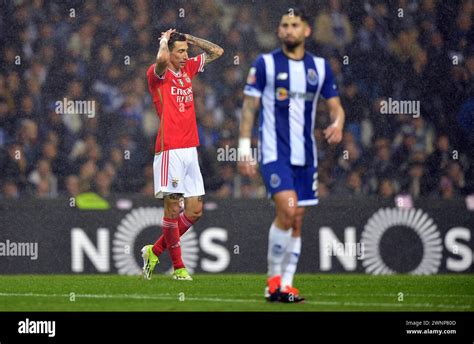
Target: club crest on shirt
181, 83
186, 77
275, 180
251, 79
312, 77
174, 182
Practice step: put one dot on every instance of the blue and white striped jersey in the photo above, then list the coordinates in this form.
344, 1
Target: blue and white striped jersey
289, 91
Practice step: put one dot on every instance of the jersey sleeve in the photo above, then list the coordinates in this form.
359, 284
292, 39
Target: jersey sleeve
195, 65
256, 78
152, 78
329, 88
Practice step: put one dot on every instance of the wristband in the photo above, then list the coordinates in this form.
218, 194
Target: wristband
244, 146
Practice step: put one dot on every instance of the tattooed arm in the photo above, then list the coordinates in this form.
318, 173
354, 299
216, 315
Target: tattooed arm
163, 56
213, 51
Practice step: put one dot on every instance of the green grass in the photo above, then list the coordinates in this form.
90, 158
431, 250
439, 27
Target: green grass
235, 292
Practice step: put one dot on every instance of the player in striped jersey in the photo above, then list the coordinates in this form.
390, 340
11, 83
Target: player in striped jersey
284, 87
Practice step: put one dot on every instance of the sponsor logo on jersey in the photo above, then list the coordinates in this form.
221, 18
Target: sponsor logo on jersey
281, 94
181, 91
282, 76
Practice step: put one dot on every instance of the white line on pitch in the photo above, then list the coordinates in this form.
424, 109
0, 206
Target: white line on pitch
395, 295
126, 296
396, 305
167, 297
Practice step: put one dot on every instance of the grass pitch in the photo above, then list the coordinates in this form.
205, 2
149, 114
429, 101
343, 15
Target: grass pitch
235, 292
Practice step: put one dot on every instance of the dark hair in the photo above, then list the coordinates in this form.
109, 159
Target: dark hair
296, 12
175, 37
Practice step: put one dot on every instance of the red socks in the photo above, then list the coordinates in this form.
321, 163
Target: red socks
183, 225
171, 234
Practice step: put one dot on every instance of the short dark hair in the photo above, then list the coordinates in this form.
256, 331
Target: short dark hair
296, 12
175, 37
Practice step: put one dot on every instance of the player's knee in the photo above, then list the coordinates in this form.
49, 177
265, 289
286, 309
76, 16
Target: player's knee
172, 212
287, 216
194, 214
296, 231
172, 207
297, 224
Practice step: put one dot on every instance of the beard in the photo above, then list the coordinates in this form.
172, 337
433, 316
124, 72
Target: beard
292, 45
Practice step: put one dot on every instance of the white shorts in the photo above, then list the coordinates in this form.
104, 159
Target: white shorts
177, 171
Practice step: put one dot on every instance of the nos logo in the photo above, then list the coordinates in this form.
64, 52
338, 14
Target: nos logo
125, 258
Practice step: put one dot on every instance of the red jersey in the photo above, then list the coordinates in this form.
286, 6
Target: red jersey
173, 98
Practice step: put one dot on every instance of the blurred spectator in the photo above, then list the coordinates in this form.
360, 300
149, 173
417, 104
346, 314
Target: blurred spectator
45, 183
226, 174
7, 121
15, 165
383, 165
463, 33
442, 155
103, 184
406, 11
446, 189
72, 186
28, 137
148, 190
349, 160
456, 175
333, 28
416, 182
405, 150
86, 175
387, 189
10, 190
355, 108
369, 38
352, 186
323, 190
43, 190
208, 135
427, 20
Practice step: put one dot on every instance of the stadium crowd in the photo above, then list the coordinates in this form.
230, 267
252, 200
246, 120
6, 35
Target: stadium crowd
99, 51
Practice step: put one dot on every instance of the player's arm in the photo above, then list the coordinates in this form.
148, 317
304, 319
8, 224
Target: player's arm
249, 109
333, 133
163, 55
212, 51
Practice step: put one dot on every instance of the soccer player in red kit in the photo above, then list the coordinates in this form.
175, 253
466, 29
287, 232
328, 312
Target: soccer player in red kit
176, 169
